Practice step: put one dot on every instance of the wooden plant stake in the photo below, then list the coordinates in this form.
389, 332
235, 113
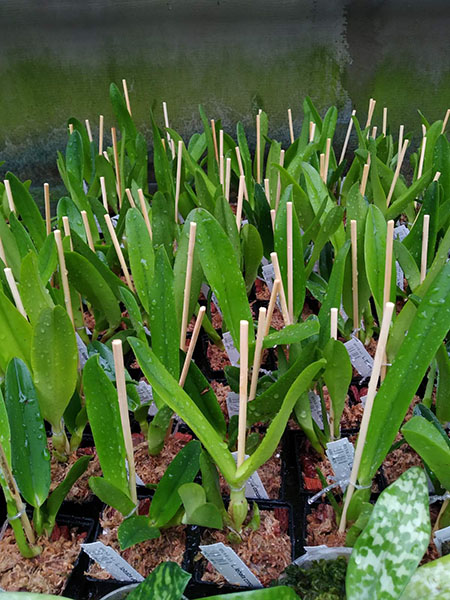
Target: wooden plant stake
187, 285
118, 249
354, 242
125, 419
401, 156
116, 165
333, 335
273, 214
130, 197
370, 112
192, 344
48, 221
312, 131
290, 261
63, 273
104, 194
284, 306
347, 137
322, 166
15, 292
422, 157
385, 112
267, 190
70, 128
105, 154
243, 383
327, 160
374, 132
125, 93
365, 176
66, 226
2, 253
145, 212
381, 347
400, 137
9, 195
88, 129
257, 359
241, 169
423, 260
228, 179
100, 135
277, 199
273, 298
166, 124
214, 136
387, 280
240, 202
221, 161
291, 126
437, 176
258, 148
444, 124
87, 229
178, 179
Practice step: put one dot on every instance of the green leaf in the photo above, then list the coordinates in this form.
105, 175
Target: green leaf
252, 253
337, 376
222, 273
227, 219
47, 259
408, 264
5, 432
15, 334
183, 469
280, 592
332, 222
28, 210
90, 283
292, 334
163, 222
30, 455
136, 529
163, 172
35, 296
390, 548
54, 353
430, 581
198, 510
443, 385
411, 193
104, 418
210, 481
167, 582
12, 253
427, 441
111, 495
21, 236
67, 207
375, 254
140, 252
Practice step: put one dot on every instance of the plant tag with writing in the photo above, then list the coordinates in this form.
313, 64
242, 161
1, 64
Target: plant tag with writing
254, 487
400, 232
400, 276
441, 540
232, 404
321, 552
233, 353
359, 357
316, 408
82, 351
112, 562
225, 560
341, 454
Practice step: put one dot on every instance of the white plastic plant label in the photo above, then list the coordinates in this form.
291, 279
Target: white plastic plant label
363, 400
233, 353
254, 487
441, 540
341, 454
232, 404
82, 351
145, 392
225, 560
115, 220
359, 357
321, 552
316, 408
269, 275
400, 276
112, 562
400, 232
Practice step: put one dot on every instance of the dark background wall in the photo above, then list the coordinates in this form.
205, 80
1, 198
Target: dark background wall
57, 58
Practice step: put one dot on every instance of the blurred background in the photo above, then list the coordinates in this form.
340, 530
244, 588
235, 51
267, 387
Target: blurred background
58, 58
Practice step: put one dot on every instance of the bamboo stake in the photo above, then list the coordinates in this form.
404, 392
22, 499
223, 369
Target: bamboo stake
87, 230
258, 148
291, 126
243, 383
365, 176
178, 179
124, 417
166, 123
273, 298
290, 261
327, 159
145, 212
422, 157
387, 280
370, 112
354, 242
444, 124
2, 253
66, 227
15, 292
347, 137
267, 190
385, 112
48, 222
116, 166
125, 93
437, 176
163, 142
240, 202
258, 352
105, 154
228, 179
9, 195
400, 137
130, 198
88, 129
187, 285
214, 136
312, 131
221, 160
63, 272
104, 194
322, 166
423, 260
381, 346
398, 166
333, 335
277, 199
273, 214
191, 348
100, 135
284, 306
241, 169
118, 249
374, 132
70, 128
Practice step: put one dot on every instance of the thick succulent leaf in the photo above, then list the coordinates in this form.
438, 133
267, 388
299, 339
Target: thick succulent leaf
198, 510
167, 582
30, 455
391, 546
111, 495
337, 376
280, 592
54, 359
227, 219
35, 296
67, 207
443, 385
252, 253
5, 432
28, 210
292, 334
140, 252
15, 334
136, 529
430, 581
